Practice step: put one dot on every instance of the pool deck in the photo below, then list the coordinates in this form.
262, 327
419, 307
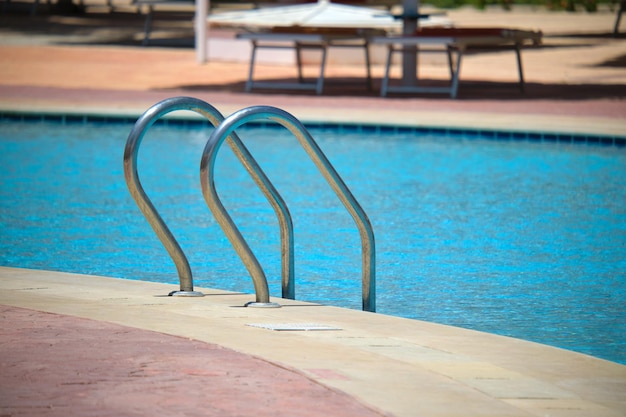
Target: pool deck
98, 354
575, 82
83, 345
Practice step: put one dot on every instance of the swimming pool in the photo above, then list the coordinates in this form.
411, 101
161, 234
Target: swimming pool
523, 238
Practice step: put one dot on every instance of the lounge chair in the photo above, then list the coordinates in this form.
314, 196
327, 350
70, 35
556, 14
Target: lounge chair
455, 41
149, 6
300, 38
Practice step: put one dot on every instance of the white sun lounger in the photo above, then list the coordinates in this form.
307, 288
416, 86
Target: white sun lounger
453, 41
310, 38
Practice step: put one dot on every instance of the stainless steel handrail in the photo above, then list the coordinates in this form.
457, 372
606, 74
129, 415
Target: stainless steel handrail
226, 128
158, 225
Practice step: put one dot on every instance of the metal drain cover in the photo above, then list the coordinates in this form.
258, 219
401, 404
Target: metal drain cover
285, 327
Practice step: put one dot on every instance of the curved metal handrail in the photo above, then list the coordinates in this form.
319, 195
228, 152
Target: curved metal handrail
158, 225
226, 128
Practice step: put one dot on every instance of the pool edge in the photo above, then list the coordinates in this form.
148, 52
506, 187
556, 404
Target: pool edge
75, 116
380, 360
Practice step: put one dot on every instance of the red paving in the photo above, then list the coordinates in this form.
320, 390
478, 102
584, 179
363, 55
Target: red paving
56, 365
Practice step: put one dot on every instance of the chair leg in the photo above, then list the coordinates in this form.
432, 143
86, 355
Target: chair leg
450, 61
299, 62
622, 9
454, 88
522, 85
147, 27
251, 70
370, 86
320, 81
385, 84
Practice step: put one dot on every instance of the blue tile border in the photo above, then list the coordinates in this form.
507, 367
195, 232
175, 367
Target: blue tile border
454, 132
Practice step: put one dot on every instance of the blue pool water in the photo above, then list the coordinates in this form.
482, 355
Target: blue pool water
519, 238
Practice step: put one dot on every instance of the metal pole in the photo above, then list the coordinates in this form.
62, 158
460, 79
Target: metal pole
409, 56
201, 31
207, 174
158, 225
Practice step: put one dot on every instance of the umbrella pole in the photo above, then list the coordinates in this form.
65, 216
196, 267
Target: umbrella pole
201, 32
409, 55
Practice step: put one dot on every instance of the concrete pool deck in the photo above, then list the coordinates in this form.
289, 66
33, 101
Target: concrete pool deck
120, 358
79, 345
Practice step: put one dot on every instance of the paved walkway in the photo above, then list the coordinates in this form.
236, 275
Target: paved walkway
575, 83
363, 364
60, 365
77, 345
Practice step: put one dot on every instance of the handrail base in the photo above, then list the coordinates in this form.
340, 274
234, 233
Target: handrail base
185, 294
253, 304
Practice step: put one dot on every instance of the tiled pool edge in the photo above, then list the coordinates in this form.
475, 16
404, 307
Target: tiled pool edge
347, 127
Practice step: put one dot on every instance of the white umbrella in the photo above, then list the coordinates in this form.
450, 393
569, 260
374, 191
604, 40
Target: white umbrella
323, 14
329, 15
